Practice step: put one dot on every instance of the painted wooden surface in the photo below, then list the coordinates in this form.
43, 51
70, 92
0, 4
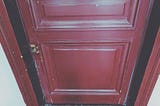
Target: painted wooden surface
151, 75
83, 13
9, 88
14, 56
78, 70
88, 48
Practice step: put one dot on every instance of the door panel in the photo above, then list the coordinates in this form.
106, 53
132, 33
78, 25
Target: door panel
88, 48
52, 14
81, 70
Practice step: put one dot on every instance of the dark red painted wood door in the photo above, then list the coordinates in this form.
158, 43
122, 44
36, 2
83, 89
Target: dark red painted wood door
87, 48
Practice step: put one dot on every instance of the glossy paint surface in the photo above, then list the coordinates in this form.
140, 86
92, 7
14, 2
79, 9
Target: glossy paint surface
88, 48
15, 59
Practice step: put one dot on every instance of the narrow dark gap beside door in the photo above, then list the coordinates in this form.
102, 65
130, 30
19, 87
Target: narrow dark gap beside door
150, 35
140, 69
24, 47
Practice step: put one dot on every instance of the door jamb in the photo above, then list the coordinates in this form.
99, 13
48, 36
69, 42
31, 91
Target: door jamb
15, 58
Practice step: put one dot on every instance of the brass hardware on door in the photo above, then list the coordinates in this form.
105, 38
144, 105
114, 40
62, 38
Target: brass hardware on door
34, 48
37, 1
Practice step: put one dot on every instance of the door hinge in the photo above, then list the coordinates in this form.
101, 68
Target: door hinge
34, 49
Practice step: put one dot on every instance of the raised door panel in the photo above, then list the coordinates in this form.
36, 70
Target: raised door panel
78, 70
66, 14
88, 48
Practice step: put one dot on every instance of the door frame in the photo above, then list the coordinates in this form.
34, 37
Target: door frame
139, 74
151, 75
34, 64
15, 58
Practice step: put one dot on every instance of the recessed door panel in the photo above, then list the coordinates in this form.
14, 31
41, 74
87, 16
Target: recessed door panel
53, 14
84, 69
88, 49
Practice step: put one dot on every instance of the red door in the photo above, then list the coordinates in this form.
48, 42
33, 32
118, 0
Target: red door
87, 49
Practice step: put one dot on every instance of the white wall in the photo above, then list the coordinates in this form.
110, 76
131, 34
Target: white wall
155, 97
9, 92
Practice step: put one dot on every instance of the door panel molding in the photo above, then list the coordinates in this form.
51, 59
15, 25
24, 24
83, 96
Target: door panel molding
88, 14
55, 54
134, 36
